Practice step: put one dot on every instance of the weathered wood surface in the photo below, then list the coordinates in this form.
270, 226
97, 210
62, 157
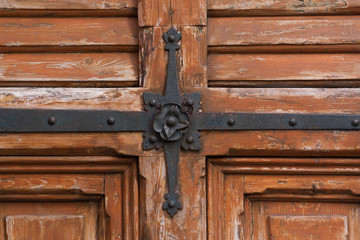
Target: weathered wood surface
68, 227
68, 8
192, 57
75, 69
298, 220
37, 183
250, 200
53, 164
172, 12
338, 143
249, 31
276, 7
67, 4
190, 222
273, 165
17, 32
130, 215
294, 70
122, 99
50, 220
114, 205
281, 100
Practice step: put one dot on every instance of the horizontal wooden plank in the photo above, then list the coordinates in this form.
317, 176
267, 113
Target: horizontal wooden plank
67, 4
84, 69
281, 100
289, 7
288, 183
57, 32
284, 70
37, 183
251, 165
62, 8
122, 99
64, 164
249, 31
288, 49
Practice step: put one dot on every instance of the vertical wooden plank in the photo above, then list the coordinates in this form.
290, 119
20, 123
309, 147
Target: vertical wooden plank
154, 13
153, 58
113, 205
215, 203
234, 207
188, 12
172, 12
131, 203
193, 57
189, 222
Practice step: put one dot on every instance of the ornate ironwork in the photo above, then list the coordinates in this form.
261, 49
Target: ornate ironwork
171, 121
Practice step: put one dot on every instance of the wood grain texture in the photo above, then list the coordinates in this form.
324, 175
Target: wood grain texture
252, 200
130, 207
113, 205
122, 99
340, 166
250, 31
276, 100
156, 13
276, 7
282, 69
64, 164
48, 218
320, 143
332, 220
80, 69
67, 4
189, 223
65, 227
37, 183
68, 32
193, 57
321, 227
153, 58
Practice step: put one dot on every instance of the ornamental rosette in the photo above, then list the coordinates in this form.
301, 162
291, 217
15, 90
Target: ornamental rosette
171, 122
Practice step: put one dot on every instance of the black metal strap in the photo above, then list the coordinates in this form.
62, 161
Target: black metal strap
275, 121
43, 120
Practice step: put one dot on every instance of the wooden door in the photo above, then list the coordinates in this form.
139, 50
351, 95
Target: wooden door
243, 56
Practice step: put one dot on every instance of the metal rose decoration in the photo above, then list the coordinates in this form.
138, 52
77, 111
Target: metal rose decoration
171, 122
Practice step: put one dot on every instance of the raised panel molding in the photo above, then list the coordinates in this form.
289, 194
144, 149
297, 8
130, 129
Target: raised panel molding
34, 227
236, 185
307, 227
38, 183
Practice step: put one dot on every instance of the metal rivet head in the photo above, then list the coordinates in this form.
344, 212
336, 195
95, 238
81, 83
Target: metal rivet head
171, 121
52, 120
231, 122
153, 103
190, 139
153, 139
355, 122
172, 203
189, 102
171, 38
111, 121
292, 122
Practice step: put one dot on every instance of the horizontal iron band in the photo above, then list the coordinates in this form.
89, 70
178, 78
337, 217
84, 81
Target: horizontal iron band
41, 120
276, 121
